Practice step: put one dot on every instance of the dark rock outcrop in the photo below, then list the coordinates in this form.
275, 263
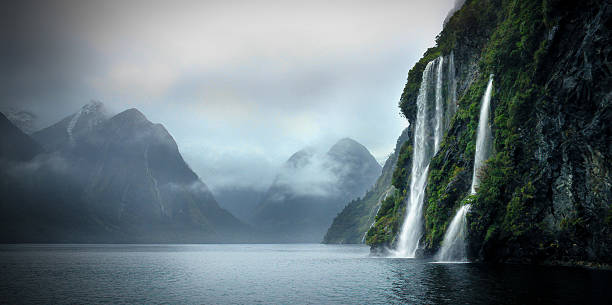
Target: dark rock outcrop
546, 192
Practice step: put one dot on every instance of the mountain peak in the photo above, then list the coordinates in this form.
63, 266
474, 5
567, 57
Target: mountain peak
300, 158
93, 106
132, 115
348, 146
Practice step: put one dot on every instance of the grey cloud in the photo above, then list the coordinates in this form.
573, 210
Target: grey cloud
241, 85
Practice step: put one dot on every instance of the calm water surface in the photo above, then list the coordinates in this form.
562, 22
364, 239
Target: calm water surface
279, 274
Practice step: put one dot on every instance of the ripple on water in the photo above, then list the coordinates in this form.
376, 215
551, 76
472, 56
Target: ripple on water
262, 274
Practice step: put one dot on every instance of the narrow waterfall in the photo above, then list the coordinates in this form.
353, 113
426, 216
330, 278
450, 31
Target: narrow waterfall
424, 148
483, 138
453, 245
439, 128
451, 103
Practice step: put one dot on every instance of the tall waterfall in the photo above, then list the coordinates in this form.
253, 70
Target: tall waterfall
439, 129
425, 146
454, 246
451, 106
483, 138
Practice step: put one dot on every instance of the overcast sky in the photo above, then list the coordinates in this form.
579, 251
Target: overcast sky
241, 85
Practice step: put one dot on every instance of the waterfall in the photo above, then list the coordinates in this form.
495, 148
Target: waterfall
483, 138
451, 106
453, 246
423, 150
439, 128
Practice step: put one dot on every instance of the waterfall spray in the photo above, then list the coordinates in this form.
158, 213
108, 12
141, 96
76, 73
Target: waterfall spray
424, 148
439, 128
483, 138
454, 246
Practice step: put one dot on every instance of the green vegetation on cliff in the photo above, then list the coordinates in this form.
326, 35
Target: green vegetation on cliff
545, 193
351, 224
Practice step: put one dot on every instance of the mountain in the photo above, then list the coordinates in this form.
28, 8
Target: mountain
544, 193
16, 145
312, 188
65, 132
353, 222
24, 120
240, 201
116, 180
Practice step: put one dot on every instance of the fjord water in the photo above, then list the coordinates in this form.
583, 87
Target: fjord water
275, 274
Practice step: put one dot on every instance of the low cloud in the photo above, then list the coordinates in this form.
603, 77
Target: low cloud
240, 85
317, 177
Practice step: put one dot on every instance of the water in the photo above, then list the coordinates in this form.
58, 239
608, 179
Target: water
275, 274
452, 90
439, 129
453, 246
425, 146
483, 138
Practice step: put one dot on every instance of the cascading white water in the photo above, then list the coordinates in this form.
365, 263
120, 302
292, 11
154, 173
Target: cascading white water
453, 245
439, 128
451, 106
423, 150
483, 138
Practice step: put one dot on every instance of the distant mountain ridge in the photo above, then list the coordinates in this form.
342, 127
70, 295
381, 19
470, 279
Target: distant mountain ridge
117, 179
311, 189
64, 132
356, 218
16, 145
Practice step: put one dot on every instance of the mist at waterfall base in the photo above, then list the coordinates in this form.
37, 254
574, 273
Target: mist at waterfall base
428, 133
453, 245
275, 274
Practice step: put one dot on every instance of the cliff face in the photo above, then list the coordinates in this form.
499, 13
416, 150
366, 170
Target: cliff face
546, 191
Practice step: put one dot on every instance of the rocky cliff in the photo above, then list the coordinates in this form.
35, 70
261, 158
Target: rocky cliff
546, 191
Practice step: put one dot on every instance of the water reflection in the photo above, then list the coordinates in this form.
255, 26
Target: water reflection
420, 282
276, 274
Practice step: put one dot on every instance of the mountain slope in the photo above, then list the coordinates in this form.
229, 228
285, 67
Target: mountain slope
351, 224
65, 132
311, 189
545, 193
16, 145
118, 180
